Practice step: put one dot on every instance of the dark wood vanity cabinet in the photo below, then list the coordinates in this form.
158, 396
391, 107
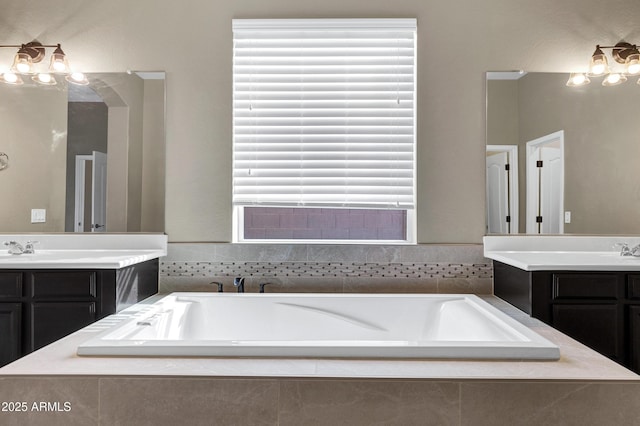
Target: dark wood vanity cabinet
40, 306
599, 309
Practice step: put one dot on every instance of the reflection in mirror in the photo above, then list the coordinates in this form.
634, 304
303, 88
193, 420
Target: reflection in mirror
586, 140
84, 158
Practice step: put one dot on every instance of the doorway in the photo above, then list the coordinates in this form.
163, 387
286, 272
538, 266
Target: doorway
545, 184
91, 193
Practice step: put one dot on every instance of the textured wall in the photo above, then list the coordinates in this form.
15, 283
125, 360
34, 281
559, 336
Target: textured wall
457, 43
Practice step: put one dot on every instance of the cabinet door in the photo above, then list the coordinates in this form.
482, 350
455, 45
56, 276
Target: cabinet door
51, 321
634, 338
10, 332
597, 326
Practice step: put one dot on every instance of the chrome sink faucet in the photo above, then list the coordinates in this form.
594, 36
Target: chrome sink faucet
17, 248
29, 248
626, 251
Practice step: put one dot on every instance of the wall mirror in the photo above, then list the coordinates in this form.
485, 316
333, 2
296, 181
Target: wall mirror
562, 159
84, 158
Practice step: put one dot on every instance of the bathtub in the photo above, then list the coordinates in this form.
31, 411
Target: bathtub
321, 325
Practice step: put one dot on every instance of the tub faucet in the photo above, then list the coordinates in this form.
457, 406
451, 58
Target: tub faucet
220, 286
239, 283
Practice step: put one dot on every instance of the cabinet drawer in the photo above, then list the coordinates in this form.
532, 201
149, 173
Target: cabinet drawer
633, 286
585, 286
63, 284
10, 284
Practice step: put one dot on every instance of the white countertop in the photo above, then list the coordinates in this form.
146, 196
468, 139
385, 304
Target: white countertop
78, 259
566, 261
561, 253
577, 361
83, 251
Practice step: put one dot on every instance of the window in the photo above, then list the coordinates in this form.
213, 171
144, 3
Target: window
324, 129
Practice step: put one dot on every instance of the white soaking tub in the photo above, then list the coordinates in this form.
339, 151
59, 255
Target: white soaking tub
322, 325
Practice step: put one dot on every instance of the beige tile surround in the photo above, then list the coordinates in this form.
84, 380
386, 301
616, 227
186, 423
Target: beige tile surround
242, 401
423, 268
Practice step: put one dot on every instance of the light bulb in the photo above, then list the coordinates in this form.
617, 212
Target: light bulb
613, 79
59, 63
22, 62
633, 64
577, 79
633, 69
77, 78
44, 78
11, 78
598, 65
59, 66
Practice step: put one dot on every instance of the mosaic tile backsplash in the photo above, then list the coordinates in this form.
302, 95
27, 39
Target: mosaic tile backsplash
327, 268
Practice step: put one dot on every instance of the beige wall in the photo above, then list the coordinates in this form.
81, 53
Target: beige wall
502, 112
153, 166
457, 43
33, 133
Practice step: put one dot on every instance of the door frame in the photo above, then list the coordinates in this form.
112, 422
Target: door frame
514, 192
78, 220
532, 201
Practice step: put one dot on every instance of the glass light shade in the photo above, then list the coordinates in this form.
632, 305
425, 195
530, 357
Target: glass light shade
11, 78
578, 79
613, 79
77, 78
59, 64
45, 79
22, 63
632, 64
599, 64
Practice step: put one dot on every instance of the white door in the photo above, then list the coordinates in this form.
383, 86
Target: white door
502, 189
497, 193
99, 193
545, 184
91, 193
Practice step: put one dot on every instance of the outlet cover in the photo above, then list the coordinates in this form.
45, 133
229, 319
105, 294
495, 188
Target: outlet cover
38, 215
567, 217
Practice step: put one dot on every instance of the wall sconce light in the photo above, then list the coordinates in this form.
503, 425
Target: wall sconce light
624, 53
32, 53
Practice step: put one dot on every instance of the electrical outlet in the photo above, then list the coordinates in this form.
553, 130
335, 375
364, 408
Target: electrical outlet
567, 217
38, 215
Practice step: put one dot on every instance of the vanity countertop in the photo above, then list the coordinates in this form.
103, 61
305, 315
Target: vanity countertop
84, 251
78, 259
562, 253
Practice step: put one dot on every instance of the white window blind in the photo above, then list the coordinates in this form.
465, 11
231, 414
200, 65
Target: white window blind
324, 112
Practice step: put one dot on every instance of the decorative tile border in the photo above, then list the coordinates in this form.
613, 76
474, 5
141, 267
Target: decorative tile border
325, 269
